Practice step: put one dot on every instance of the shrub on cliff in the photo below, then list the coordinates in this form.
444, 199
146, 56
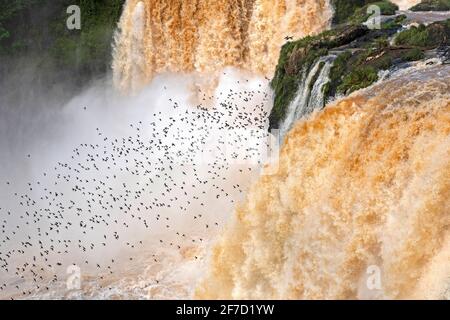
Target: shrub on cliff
359, 78
413, 55
430, 36
298, 57
432, 5
355, 11
343, 9
387, 8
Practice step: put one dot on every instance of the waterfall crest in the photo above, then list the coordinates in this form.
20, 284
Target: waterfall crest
208, 35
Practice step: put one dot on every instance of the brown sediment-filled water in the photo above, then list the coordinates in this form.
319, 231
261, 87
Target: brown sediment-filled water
362, 191
159, 36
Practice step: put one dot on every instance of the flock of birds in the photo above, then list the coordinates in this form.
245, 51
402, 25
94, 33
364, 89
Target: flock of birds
164, 181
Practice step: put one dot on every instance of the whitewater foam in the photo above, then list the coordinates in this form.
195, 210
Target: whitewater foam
156, 36
362, 185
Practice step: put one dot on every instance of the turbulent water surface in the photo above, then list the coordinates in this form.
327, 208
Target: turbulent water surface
206, 35
362, 185
131, 196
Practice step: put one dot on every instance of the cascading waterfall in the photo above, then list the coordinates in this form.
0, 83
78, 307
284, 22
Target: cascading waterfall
208, 35
310, 94
362, 191
158, 36
364, 184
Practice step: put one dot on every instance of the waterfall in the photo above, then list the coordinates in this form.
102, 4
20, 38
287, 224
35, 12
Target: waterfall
362, 188
208, 35
309, 96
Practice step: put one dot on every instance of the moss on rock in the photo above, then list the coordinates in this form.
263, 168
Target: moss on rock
430, 36
361, 55
361, 15
298, 57
432, 5
357, 79
343, 9
355, 11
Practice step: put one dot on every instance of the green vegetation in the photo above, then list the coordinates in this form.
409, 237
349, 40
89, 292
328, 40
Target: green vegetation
387, 8
297, 58
430, 36
351, 72
432, 5
355, 11
337, 72
394, 23
362, 54
343, 9
415, 36
37, 29
357, 79
414, 54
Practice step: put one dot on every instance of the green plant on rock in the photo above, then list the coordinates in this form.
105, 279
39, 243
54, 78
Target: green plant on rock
432, 5
382, 43
343, 9
415, 36
387, 8
359, 78
395, 23
413, 55
383, 63
430, 36
297, 58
